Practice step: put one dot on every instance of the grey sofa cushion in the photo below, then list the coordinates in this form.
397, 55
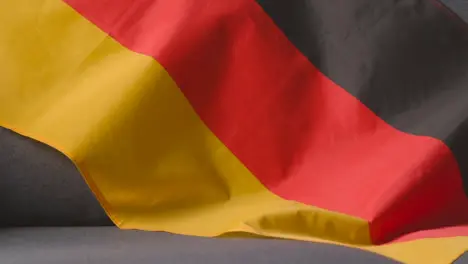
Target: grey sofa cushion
40, 187
101, 245
460, 7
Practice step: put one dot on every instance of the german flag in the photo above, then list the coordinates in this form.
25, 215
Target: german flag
335, 121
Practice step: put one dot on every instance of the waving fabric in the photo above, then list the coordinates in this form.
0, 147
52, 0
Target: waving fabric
336, 121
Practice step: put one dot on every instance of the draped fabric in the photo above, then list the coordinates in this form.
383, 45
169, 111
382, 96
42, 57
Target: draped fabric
335, 121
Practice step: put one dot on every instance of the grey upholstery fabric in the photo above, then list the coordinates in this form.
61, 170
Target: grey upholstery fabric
101, 245
40, 187
463, 259
460, 7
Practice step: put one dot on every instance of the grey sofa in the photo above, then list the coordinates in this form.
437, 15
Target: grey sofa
50, 216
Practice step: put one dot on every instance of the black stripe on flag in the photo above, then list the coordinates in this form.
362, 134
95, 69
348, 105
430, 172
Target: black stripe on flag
406, 60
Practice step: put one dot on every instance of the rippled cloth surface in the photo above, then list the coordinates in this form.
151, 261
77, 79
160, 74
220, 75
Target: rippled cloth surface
332, 121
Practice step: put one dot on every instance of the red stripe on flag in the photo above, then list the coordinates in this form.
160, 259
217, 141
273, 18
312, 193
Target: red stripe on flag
304, 137
452, 231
